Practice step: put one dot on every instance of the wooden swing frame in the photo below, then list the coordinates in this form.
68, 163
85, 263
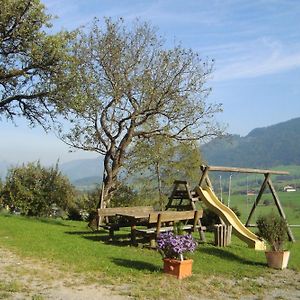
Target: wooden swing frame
267, 182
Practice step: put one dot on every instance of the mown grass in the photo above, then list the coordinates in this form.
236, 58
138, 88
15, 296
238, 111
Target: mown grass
71, 246
289, 201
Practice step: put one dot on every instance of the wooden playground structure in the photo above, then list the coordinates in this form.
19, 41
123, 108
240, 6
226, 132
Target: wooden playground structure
267, 182
183, 198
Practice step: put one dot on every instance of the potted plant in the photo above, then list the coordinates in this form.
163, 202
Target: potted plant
174, 249
273, 229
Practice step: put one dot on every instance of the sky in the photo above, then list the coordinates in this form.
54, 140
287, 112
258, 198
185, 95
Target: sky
255, 45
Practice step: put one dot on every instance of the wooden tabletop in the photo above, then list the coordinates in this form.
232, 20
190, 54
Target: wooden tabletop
135, 215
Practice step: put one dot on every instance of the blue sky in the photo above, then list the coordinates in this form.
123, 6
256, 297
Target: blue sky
255, 44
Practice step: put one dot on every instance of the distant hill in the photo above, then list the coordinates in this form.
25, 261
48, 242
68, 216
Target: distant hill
87, 183
263, 147
82, 168
85, 174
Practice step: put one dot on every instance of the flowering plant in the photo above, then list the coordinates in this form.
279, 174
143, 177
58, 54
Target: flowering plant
175, 246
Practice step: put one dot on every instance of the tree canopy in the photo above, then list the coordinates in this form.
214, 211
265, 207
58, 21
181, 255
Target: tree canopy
153, 164
33, 190
31, 62
132, 87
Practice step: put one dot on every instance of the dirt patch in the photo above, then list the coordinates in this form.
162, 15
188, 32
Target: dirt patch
31, 279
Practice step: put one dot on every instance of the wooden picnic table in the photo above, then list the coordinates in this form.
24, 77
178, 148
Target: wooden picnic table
134, 218
154, 221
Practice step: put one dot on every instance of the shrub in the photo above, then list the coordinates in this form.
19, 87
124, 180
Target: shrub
267, 202
209, 218
236, 211
74, 214
33, 190
273, 229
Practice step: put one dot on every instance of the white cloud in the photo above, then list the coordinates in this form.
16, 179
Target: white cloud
254, 59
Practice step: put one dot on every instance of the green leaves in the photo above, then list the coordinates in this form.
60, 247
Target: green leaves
33, 190
32, 62
273, 229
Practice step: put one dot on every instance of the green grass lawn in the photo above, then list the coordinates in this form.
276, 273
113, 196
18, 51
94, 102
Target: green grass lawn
289, 201
72, 246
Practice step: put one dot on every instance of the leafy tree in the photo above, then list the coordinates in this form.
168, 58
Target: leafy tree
33, 190
31, 62
132, 88
155, 163
124, 196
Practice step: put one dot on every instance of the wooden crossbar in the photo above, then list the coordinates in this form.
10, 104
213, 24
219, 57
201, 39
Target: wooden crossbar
243, 170
267, 182
113, 211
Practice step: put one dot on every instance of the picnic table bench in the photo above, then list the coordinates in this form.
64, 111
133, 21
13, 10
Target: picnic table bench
163, 221
111, 218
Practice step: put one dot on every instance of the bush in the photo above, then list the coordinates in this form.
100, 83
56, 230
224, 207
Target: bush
236, 211
273, 229
267, 202
124, 196
34, 190
74, 214
209, 218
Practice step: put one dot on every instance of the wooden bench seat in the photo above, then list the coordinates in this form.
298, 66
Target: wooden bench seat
159, 222
187, 227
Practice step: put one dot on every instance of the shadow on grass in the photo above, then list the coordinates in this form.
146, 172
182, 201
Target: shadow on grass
85, 232
122, 240
224, 254
136, 264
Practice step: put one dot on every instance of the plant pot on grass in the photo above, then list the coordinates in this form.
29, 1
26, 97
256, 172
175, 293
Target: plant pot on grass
173, 248
273, 229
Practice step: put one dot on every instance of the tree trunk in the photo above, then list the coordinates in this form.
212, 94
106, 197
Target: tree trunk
109, 184
159, 185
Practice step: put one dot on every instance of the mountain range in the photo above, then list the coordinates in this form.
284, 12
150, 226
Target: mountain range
270, 146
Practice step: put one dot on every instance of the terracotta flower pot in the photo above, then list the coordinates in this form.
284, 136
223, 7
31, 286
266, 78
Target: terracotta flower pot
178, 268
277, 259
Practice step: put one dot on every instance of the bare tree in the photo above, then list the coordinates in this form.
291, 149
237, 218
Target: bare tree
130, 87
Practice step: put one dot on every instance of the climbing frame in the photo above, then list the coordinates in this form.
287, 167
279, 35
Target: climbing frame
182, 198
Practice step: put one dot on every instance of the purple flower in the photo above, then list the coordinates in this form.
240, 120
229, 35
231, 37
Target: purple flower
174, 246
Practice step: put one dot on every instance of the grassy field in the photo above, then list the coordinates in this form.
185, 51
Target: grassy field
71, 246
290, 203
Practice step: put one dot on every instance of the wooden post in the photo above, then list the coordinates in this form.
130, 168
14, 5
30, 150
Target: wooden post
204, 170
262, 189
158, 226
280, 209
222, 235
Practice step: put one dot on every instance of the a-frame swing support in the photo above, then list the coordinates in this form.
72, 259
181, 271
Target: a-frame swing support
266, 182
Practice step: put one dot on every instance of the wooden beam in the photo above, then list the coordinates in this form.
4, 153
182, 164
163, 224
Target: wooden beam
204, 170
244, 170
280, 209
261, 191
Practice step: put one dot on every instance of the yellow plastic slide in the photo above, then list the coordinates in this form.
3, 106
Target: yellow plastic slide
229, 217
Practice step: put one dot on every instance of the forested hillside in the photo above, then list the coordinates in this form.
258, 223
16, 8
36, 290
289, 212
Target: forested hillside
263, 147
